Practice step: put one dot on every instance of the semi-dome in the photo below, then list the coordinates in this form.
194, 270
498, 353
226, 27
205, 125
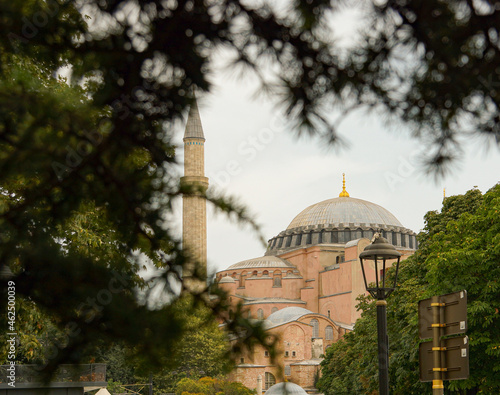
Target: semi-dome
286, 388
338, 221
285, 315
261, 262
227, 280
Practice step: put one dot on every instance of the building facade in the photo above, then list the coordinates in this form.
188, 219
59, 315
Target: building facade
305, 285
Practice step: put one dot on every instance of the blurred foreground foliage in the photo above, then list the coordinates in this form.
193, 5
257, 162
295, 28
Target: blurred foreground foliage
91, 91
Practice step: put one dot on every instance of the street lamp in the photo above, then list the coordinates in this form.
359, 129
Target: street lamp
380, 251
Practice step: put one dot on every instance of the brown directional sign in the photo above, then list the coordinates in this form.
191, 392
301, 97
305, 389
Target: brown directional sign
453, 314
454, 359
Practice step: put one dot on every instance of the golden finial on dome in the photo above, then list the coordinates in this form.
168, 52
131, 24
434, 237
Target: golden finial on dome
444, 192
344, 192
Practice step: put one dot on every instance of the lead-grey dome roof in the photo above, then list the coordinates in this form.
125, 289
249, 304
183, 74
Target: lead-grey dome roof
344, 210
286, 388
339, 221
262, 262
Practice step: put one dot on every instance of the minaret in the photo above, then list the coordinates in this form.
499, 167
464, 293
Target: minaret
194, 208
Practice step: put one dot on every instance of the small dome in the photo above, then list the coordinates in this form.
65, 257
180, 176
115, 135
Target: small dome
285, 315
263, 262
344, 210
286, 388
227, 280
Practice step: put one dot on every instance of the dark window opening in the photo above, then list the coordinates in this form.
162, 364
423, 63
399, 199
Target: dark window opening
335, 236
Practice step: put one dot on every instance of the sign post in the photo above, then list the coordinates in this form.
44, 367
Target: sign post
443, 358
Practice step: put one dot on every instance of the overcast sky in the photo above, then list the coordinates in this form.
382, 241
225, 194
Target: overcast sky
252, 154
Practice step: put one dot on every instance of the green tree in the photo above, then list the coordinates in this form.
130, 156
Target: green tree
459, 249
211, 386
86, 173
201, 351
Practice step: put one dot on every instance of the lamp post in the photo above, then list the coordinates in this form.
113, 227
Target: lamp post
380, 251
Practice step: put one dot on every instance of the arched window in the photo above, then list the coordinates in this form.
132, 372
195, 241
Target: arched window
329, 314
277, 279
254, 273
329, 333
260, 314
274, 310
265, 273
242, 279
315, 325
270, 380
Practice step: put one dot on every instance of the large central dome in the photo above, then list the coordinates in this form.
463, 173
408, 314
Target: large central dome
338, 221
344, 210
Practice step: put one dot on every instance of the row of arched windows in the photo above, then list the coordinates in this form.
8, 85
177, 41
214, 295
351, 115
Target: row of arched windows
328, 330
397, 238
276, 276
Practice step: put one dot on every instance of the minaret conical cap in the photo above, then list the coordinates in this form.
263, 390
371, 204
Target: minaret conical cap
194, 130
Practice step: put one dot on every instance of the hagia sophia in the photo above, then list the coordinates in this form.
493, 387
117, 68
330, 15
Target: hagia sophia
306, 283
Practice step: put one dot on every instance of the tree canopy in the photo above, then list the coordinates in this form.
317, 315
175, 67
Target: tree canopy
459, 249
201, 351
86, 160
211, 386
